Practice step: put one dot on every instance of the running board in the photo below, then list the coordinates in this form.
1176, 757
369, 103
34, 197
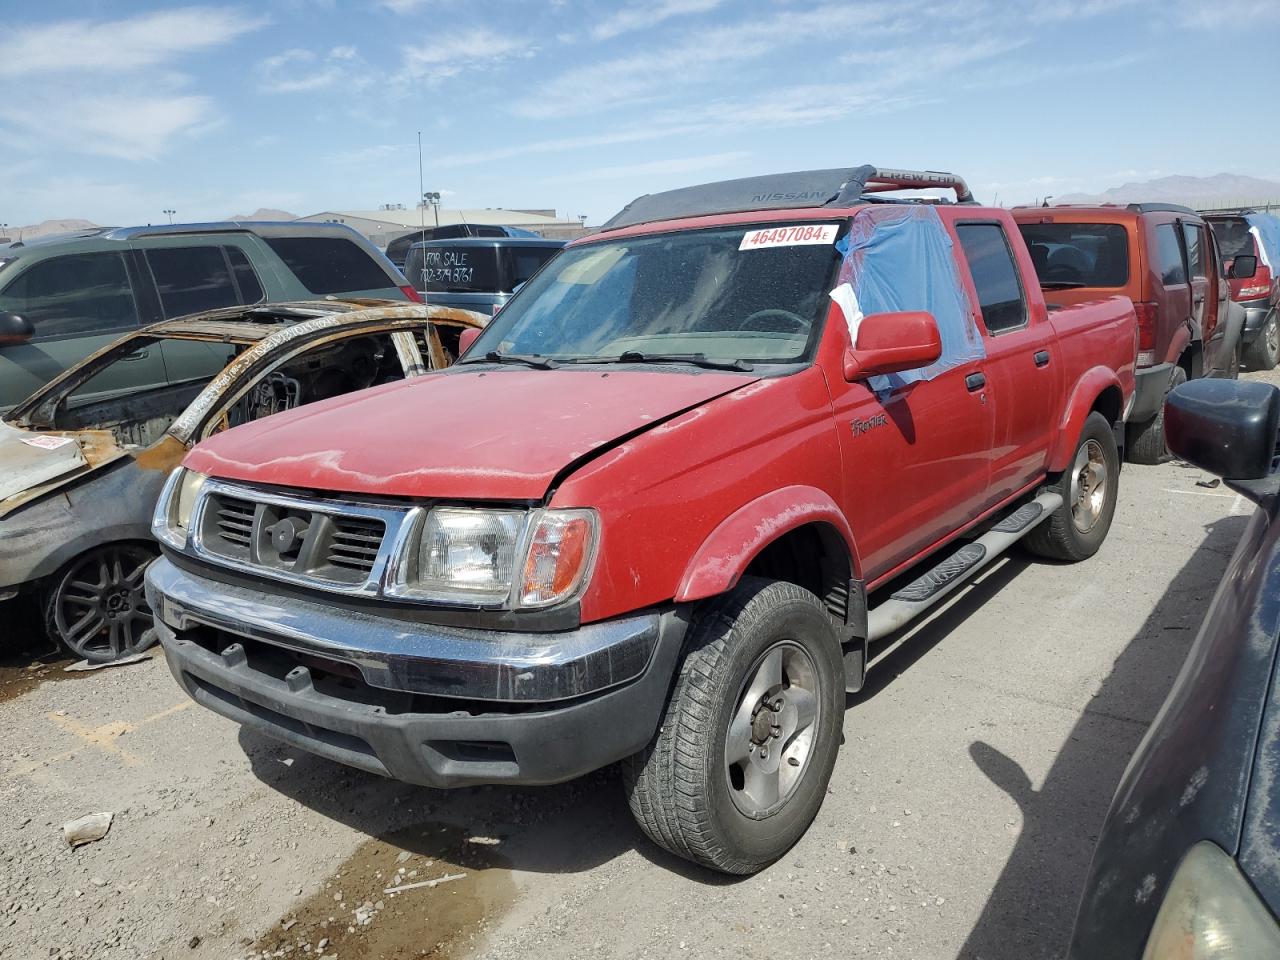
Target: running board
936, 583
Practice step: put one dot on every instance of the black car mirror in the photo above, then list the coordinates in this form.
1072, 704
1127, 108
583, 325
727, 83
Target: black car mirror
1243, 266
1228, 427
14, 329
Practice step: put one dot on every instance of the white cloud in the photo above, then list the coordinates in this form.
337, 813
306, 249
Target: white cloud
1226, 14
447, 55
118, 46
649, 14
402, 6
654, 168
298, 71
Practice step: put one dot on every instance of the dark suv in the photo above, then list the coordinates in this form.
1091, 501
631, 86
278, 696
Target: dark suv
476, 273
62, 298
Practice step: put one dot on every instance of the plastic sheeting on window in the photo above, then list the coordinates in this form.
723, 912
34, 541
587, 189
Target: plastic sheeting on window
900, 258
1266, 229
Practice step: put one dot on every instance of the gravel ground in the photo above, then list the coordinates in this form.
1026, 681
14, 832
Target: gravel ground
977, 767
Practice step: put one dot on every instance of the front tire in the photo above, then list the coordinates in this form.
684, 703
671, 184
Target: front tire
97, 607
741, 761
1263, 353
1088, 489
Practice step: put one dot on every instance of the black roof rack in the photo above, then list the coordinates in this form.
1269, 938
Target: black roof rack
1159, 208
840, 187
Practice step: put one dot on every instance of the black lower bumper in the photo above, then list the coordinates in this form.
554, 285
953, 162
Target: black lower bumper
326, 707
1255, 315
1152, 383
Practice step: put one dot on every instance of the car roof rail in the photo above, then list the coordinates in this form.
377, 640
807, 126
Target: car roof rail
1159, 208
838, 187
220, 226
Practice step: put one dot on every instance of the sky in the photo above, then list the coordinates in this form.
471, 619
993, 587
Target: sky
116, 110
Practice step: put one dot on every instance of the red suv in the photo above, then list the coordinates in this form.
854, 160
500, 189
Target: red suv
1256, 235
1163, 258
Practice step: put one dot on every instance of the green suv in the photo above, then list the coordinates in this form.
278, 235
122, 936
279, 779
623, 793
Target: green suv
62, 298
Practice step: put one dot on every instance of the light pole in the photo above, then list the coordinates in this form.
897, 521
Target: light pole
169, 214
433, 198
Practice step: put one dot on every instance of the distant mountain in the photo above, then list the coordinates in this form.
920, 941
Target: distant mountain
1220, 190
32, 230
264, 213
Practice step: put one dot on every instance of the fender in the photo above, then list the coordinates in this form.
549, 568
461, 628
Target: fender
721, 559
1181, 340
1083, 396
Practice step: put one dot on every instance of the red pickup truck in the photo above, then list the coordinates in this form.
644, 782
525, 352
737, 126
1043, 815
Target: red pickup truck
659, 509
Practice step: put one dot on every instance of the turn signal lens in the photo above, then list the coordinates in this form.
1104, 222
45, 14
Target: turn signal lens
560, 552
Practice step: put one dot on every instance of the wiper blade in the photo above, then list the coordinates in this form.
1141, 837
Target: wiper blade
538, 363
697, 359
1061, 284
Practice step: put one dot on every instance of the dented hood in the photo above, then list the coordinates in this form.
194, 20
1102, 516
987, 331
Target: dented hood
460, 434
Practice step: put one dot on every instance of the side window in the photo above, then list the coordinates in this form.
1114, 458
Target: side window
82, 294
1169, 255
525, 263
191, 279
1191, 235
995, 275
330, 265
246, 277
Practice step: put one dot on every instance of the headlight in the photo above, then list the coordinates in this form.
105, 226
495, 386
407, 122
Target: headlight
1211, 913
172, 519
494, 558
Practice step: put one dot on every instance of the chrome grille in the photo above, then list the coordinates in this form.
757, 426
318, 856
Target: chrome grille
328, 544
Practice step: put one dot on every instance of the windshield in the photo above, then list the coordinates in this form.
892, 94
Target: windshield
729, 294
1234, 237
1079, 254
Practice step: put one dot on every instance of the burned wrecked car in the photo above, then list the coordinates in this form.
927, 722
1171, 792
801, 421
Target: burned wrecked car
83, 459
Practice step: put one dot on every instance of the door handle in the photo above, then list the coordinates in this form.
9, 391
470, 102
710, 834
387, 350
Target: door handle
975, 381
140, 354
1042, 358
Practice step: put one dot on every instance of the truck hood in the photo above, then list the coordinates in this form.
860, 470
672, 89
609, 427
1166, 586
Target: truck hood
459, 434
37, 461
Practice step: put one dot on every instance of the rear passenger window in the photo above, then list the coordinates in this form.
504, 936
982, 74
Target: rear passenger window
1169, 255
330, 265
191, 279
1195, 250
73, 296
995, 275
246, 278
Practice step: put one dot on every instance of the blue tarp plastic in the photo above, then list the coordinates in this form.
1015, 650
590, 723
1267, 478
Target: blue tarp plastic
900, 258
1267, 226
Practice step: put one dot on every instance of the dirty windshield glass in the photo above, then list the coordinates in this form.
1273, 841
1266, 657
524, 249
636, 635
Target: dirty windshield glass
746, 293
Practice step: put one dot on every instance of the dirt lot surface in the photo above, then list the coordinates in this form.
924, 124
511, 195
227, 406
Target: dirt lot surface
976, 771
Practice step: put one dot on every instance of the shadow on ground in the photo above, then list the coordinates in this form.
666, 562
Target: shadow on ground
1032, 906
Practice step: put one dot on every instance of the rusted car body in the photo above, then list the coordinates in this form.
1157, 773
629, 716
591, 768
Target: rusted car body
80, 469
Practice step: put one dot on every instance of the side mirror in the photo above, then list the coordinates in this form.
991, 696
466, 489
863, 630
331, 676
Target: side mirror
893, 342
466, 339
14, 329
1243, 267
1228, 427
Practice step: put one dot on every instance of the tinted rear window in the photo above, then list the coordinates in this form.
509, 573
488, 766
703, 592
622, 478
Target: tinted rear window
1169, 265
460, 269
330, 265
1087, 254
75, 295
1234, 237
191, 279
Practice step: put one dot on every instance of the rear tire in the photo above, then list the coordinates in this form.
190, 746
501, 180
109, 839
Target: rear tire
1264, 352
757, 664
1088, 489
1146, 440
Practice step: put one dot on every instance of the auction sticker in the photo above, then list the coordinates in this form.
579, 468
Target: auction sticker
47, 443
803, 234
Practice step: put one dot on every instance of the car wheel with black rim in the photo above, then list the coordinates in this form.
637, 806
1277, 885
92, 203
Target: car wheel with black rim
741, 762
96, 606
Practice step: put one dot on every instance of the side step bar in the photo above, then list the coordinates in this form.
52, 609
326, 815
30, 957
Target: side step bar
936, 583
